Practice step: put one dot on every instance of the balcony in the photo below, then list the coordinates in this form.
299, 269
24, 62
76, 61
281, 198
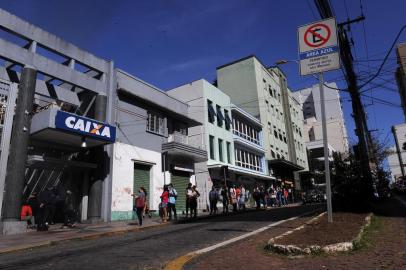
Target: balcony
179, 146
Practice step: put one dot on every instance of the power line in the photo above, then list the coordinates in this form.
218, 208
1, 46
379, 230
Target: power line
386, 57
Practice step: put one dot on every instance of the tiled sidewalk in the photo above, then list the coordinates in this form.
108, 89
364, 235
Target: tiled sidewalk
31, 239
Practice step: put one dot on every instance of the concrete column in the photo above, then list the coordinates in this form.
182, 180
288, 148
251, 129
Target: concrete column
96, 186
18, 152
85, 195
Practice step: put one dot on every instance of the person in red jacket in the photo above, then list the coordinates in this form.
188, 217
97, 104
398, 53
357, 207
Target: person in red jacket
26, 215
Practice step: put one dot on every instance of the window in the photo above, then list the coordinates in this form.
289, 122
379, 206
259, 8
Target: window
284, 139
227, 120
211, 142
267, 105
221, 150
211, 112
220, 117
247, 160
273, 154
275, 134
270, 91
228, 153
156, 124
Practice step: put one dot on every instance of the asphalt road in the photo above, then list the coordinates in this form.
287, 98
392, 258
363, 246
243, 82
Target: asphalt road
148, 249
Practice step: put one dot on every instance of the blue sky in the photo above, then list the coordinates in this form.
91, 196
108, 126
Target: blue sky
169, 42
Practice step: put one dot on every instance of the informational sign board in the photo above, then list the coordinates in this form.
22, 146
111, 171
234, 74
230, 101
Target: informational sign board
85, 126
318, 47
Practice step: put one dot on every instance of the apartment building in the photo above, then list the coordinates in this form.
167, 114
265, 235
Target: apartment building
263, 93
232, 137
309, 99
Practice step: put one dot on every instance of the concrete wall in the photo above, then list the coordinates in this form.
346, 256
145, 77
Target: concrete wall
247, 82
309, 99
196, 95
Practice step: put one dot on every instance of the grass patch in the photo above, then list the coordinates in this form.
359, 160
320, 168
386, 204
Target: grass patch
368, 234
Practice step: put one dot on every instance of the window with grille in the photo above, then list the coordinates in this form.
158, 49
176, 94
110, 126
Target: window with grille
157, 124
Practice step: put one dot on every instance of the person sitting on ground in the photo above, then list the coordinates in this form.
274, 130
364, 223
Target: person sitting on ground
26, 215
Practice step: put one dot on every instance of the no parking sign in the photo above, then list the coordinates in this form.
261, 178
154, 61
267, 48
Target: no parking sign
318, 47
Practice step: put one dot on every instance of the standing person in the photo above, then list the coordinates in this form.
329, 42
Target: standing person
262, 195
189, 195
164, 203
52, 205
224, 195
45, 198
213, 198
286, 195
68, 211
257, 197
233, 198
273, 196
173, 194
238, 195
145, 211
243, 197
279, 196
139, 204
193, 203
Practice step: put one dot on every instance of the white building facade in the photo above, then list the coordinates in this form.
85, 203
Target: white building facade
309, 100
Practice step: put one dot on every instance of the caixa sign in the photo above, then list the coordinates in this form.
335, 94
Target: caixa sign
85, 126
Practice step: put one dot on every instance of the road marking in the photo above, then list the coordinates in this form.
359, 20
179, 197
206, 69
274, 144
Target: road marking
179, 262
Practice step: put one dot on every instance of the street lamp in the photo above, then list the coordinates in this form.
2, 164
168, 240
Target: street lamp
325, 142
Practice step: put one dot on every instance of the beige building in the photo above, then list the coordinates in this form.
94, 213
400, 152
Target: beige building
263, 93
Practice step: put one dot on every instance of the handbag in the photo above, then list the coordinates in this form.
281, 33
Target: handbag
140, 202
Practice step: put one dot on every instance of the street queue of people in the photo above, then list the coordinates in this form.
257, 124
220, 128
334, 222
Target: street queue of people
41, 210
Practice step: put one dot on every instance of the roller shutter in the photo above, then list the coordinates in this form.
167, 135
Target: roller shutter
180, 181
142, 178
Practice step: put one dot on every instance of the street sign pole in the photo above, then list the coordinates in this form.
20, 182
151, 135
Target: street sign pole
326, 150
318, 53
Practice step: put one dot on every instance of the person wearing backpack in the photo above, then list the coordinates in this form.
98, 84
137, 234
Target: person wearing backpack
139, 204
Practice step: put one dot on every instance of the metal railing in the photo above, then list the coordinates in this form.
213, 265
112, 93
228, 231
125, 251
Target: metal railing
184, 139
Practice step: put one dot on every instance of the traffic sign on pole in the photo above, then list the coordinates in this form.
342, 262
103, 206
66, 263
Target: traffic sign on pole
318, 47
319, 52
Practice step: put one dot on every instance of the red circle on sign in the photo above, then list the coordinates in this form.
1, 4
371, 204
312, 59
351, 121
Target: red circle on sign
311, 32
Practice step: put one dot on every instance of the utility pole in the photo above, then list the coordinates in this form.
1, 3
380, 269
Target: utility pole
364, 138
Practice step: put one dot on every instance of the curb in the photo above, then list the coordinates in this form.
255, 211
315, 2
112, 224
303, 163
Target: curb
91, 236
316, 249
179, 262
